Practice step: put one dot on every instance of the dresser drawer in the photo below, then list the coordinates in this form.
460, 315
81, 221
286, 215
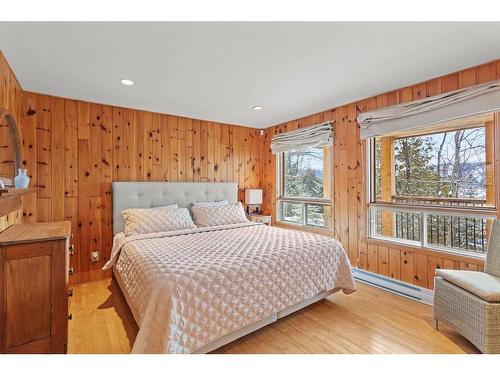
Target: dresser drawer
34, 267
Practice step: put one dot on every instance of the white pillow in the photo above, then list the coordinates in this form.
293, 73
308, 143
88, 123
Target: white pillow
158, 219
219, 215
210, 204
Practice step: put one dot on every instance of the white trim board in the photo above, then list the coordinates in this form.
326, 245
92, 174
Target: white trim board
390, 285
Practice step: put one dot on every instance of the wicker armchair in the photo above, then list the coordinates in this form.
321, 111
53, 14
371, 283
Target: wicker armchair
469, 301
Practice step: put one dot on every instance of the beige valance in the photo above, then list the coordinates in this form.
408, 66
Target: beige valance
430, 111
299, 139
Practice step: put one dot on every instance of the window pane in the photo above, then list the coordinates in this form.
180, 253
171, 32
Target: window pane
454, 167
291, 212
403, 225
318, 215
460, 233
303, 173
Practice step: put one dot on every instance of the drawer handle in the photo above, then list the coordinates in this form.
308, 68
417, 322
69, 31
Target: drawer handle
70, 317
70, 293
71, 271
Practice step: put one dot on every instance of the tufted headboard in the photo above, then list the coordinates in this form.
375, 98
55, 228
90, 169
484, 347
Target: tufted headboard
156, 194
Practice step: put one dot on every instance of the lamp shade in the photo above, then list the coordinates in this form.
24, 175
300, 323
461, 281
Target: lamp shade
253, 196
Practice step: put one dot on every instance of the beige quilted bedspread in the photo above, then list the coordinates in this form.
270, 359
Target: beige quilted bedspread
191, 287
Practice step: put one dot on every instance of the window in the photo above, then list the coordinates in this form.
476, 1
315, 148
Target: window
435, 187
304, 187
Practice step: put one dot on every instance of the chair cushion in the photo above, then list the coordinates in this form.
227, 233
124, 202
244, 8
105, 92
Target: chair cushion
481, 284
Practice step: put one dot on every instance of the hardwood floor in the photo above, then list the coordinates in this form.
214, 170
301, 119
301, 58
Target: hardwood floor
368, 321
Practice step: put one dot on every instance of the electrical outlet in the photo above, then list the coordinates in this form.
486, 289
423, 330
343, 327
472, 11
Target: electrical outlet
94, 256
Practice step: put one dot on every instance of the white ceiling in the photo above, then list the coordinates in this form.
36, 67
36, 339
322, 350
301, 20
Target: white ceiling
218, 71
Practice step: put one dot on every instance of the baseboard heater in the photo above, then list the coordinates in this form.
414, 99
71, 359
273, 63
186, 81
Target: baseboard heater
400, 288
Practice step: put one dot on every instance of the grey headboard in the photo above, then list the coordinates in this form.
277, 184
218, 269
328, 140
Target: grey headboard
156, 194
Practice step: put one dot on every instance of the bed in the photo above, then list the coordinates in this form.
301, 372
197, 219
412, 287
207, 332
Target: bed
194, 290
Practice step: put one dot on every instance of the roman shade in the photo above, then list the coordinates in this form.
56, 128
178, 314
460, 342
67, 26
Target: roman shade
313, 136
429, 111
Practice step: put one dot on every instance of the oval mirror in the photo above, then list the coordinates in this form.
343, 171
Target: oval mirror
10, 147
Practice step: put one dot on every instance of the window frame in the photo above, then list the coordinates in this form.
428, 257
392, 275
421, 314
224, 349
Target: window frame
304, 201
487, 212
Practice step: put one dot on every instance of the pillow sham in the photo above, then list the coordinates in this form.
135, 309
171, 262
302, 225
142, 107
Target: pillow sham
158, 219
219, 215
210, 204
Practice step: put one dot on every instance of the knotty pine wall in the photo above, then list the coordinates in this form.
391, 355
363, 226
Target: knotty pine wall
404, 263
10, 98
73, 150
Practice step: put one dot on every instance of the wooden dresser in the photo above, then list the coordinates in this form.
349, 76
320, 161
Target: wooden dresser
34, 291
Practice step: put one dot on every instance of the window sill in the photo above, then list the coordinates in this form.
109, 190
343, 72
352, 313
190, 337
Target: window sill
452, 255
306, 228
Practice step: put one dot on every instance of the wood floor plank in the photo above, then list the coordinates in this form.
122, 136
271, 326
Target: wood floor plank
367, 321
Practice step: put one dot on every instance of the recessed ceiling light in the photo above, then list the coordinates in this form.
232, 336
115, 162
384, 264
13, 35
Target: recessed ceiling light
257, 108
126, 82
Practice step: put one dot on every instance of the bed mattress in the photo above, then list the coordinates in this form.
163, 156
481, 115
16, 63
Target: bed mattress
190, 288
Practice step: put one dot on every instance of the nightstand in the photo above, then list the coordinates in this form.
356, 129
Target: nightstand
259, 218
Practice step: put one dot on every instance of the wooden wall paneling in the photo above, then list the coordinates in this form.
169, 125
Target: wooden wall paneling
486, 73
181, 149
242, 159
165, 147
147, 142
224, 152
211, 151
466, 266
156, 126
395, 263
342, 190
83, 120
372, 259
204, 151
217, 151
433, 263
29, 135
409, 265
449, 82
434, 87
43, 157
419, 91
467, 77
236, 154
57, 158
71, 214
174, 153
138, 138
95, 241
247, 142
353, 193
129, 147
43, 210
119, 168
156, 167
106, 219
95, 150
191, 151
70, 149
74, 150
383, 260
420, 270
196, 150
451, 264
189, 159
407, 274
81, 251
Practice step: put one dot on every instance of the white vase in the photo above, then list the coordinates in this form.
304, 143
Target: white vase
22, 180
